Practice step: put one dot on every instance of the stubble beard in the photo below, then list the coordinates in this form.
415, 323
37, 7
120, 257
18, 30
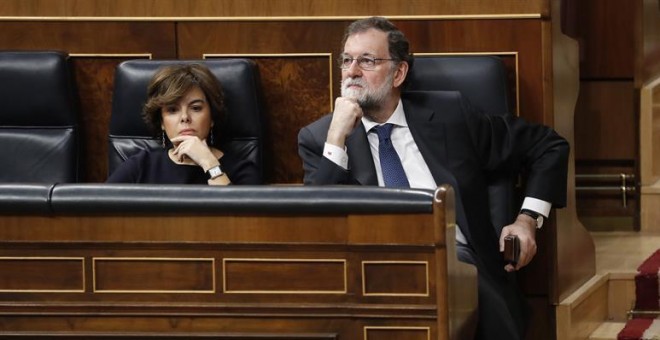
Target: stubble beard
371, 100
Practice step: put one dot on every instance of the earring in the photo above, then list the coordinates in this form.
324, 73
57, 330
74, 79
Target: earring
211, 139
162, 139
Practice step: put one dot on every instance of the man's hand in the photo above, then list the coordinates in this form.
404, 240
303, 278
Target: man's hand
525, 228
345, 118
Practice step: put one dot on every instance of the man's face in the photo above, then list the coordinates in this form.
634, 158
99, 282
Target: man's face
370, 87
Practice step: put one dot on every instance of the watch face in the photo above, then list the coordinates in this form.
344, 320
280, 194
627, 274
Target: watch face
215, 172
539, 222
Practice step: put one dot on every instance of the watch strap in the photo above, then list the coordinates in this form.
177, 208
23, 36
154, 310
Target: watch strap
536, 216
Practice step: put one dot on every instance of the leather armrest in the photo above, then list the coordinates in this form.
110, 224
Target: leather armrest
25, 198
192, 199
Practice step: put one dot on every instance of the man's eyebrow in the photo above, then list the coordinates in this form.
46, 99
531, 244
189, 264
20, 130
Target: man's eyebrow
365, 54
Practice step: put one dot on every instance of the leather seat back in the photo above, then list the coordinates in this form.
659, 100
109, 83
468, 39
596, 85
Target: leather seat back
483, 81
38, 118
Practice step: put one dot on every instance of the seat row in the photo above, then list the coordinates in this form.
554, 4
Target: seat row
41, 139
39, 119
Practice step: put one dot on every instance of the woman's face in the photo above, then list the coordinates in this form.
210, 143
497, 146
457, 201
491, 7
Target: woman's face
191, 116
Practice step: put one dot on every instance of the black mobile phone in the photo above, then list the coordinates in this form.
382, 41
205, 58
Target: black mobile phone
511, 249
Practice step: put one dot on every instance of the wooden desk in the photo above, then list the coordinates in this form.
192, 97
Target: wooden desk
266, 274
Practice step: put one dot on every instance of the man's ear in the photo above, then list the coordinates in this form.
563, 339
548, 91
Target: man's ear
400, 73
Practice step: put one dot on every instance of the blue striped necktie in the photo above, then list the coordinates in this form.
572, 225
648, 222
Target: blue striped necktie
390, 163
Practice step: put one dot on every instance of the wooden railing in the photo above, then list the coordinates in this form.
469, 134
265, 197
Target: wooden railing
650, 154
229, 263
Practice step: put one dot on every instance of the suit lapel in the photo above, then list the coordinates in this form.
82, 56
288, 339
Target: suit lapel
428, 131
429, 134
360, 161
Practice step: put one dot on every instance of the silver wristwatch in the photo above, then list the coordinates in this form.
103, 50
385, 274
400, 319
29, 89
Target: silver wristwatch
215, 172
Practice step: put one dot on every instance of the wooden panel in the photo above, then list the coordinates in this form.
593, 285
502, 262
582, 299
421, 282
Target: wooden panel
153, 275
254, 8
581, 313
650, 154
37, 274
493, 36
589, 313
654, 112
284, 276
395, 278
292, 97
606, 143
205, 229
606, 32
143, 327
173, 335
104, 38
95, 79
648, 51
620, 297
539, 327
416, 227
650, 214
149, 271
177, 229
145, 284
605, 123
397, 333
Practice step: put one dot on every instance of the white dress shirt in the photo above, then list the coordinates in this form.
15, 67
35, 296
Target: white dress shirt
418, 173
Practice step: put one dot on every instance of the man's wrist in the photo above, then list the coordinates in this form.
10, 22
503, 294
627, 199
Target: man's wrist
336, 155
536, 218
338, 141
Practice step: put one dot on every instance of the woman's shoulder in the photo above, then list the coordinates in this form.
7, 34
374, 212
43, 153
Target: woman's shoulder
133, 168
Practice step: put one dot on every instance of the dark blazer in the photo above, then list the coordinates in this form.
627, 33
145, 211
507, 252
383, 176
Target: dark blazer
461, 147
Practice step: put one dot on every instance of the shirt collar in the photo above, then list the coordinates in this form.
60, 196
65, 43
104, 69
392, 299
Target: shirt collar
397, 118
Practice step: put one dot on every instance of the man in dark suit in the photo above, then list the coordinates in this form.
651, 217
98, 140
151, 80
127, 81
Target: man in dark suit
378, 135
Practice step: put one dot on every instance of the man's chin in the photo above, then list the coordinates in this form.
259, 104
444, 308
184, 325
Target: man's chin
352, 94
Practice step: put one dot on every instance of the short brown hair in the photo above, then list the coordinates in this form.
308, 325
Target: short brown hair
172, 82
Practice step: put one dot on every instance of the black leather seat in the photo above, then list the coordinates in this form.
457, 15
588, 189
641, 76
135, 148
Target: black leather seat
483, 81
38, 118
242, 131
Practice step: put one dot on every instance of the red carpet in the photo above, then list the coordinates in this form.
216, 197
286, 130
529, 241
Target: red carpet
647, 298
646, 284
640, 329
